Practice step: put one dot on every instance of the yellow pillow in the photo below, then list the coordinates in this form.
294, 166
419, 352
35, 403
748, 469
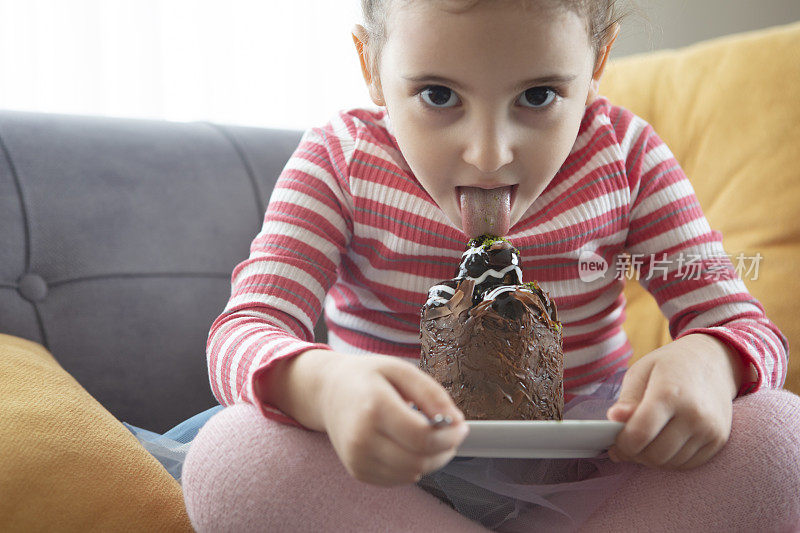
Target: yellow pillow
66, 464
728, 109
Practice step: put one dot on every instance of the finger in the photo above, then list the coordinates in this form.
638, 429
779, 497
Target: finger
388, 464
411, 430
391, 464
634, 385
620, 412
669, 442
689, 450
419, 387
616, 456
646, 422
703, 455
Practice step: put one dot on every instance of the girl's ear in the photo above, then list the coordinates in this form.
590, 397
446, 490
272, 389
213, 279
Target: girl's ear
600, 64
367, 69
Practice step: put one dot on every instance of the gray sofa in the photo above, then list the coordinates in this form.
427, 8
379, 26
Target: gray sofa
117, 242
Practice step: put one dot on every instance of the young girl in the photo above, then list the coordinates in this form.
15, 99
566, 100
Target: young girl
484, 107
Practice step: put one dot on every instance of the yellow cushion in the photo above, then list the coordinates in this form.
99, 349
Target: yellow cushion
728, 109
66, 464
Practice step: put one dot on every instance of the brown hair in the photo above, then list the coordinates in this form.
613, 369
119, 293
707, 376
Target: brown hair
600, 16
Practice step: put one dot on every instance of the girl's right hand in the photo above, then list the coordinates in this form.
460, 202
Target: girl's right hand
379, 438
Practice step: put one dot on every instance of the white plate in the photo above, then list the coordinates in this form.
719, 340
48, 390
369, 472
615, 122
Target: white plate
538, 438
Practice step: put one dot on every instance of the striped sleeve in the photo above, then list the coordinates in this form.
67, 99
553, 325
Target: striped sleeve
681, 260
277, 292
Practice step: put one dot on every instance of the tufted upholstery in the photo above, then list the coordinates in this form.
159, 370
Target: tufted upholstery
117, 241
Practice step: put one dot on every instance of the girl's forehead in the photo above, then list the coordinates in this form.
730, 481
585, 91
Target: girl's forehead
488, 37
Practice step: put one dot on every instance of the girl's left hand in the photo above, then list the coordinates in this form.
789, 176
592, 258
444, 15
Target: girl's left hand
676, 403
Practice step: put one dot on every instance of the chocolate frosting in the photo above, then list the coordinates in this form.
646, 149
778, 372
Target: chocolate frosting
495, 347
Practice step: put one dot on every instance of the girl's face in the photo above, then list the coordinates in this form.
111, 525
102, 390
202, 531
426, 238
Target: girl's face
491, 97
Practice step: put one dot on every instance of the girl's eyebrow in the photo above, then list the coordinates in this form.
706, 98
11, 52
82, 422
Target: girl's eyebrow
541, 80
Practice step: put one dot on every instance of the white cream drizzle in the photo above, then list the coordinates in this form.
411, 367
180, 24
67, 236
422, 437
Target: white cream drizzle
494, 293
514, 266
444, 288
496, 274
437, 298
491, 272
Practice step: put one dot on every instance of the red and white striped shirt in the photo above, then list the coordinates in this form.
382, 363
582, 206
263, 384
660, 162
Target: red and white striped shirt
349, 225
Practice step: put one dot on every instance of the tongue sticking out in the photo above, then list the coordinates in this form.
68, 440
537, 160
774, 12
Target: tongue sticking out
485, 211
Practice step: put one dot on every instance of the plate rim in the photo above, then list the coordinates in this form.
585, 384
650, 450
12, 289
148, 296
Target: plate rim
581, 421
508, 446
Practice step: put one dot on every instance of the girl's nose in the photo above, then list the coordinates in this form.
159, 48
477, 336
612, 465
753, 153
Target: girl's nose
487, 148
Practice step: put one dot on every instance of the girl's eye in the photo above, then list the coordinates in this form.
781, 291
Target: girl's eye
537, 97
439, 96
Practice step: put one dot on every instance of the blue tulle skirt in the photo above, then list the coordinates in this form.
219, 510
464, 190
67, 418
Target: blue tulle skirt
171, 448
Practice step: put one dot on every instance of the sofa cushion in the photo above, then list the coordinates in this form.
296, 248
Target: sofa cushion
728, 109
66, 464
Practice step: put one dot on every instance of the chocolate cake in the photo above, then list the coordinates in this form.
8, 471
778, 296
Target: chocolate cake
494, 342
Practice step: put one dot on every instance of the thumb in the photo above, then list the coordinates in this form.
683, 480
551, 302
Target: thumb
634, 384
418, 387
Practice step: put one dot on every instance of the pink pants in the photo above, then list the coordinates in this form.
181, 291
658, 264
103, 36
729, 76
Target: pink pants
247, 473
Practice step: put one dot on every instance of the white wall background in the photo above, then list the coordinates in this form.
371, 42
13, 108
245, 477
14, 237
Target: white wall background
273, 63
660, 24
288, 63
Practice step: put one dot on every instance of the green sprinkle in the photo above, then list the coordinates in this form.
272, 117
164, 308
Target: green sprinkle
533, 286
484, 241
